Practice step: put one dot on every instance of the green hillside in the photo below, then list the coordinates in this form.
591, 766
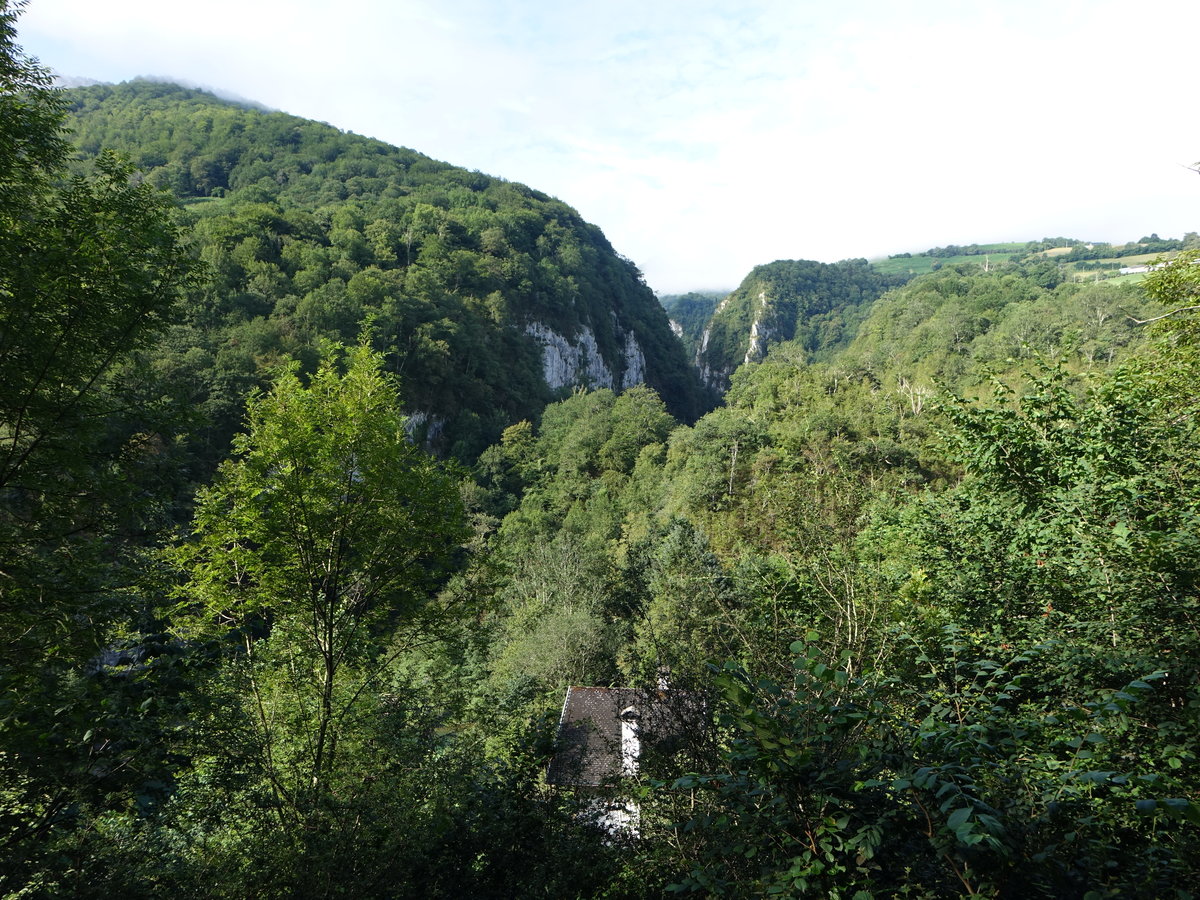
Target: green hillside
1078, 259
984, 255
475, 287
901, 558
819, 305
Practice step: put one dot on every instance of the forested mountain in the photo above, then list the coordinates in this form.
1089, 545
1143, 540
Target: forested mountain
818, 304
924, 586
489, 297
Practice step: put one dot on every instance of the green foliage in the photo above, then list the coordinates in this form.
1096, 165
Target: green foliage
34, 146
816, 305
557, 629
963, 780
308, 231
1176, 284
316, 549
691, 313
1010, 714
577, 469
692, 614
932, 565
1075, 520
90, 268
959, 325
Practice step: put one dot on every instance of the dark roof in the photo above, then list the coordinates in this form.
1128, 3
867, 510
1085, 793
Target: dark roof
589, 729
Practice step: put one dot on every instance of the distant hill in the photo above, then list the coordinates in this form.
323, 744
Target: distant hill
817, 305
1079, 260
491, 298
952, 313
962, 326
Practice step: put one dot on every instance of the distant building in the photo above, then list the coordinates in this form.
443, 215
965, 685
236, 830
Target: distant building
1139, 270
604, 733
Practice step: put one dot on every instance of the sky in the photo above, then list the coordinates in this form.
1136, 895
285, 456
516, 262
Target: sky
706, 138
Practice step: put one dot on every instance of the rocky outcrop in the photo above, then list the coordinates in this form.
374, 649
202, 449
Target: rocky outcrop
565, 363
757, 348
709, 377
579, 362
782, 301
634, 362
424, 427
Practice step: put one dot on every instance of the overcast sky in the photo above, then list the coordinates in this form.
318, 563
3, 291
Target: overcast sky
706, 138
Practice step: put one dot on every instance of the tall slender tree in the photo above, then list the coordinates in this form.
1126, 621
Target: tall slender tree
316, 550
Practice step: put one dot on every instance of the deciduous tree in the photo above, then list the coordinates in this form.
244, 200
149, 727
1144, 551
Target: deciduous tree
316, 550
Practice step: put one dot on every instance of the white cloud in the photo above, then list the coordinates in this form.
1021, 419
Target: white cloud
706, 138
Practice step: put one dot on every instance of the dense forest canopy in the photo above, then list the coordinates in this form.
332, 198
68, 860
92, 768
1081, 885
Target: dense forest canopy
817, 305
307, 232
300, 548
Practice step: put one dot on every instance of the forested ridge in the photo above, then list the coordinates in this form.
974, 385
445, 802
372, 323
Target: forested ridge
815, 305
306, 231
300, 550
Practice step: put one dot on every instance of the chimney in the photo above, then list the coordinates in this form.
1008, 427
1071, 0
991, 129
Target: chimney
631, 742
